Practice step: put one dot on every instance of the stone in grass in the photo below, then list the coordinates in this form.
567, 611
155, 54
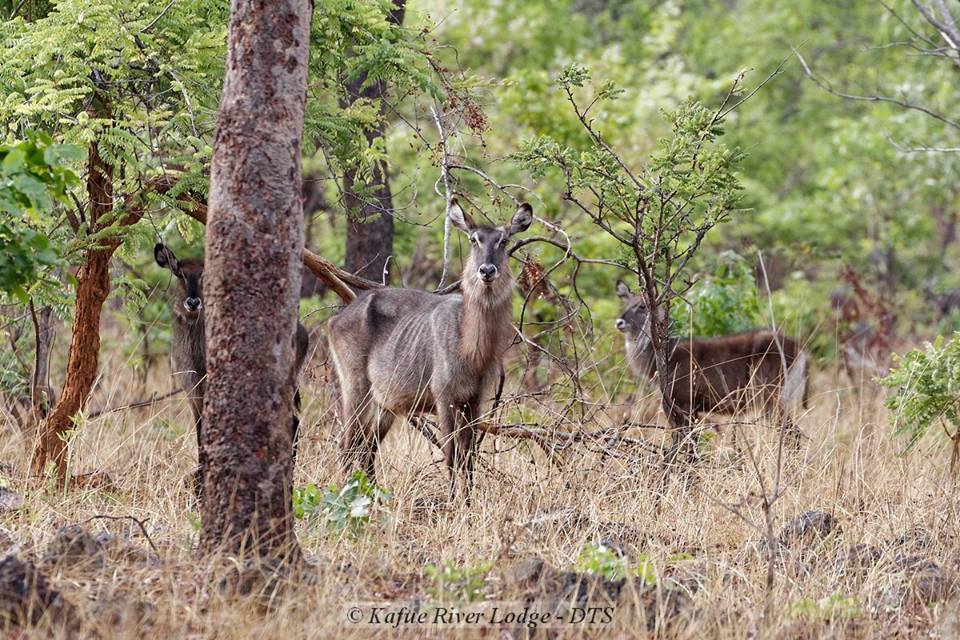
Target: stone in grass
858, 559
73, 545
914, 540
8, 544
26, 598
922, 581
807, 529
549, 589
119, 613
798, 540
10, 500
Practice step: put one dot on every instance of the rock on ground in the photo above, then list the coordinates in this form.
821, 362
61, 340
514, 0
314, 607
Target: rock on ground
26, 598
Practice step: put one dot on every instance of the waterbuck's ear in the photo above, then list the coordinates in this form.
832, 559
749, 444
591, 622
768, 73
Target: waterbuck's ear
460, 218
521, 219
165, 258
623, 290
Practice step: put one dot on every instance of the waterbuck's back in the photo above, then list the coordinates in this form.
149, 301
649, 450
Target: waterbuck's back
401, 343
722, 374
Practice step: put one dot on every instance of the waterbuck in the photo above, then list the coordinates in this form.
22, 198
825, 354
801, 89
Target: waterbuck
403, 352
188, 350
719, 375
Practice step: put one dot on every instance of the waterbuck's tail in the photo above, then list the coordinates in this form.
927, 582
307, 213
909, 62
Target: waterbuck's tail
795, 385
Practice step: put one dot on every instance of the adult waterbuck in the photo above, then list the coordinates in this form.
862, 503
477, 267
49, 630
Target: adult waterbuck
188, 350
404, 352
726, 375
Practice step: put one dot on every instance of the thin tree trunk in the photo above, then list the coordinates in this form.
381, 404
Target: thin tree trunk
254, 242
370, 205
42, 396
313, 201
93, 286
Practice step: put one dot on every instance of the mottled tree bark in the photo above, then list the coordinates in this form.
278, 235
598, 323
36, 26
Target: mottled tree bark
369, 205
254, 241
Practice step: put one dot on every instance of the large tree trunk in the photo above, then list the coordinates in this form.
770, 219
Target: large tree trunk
254, 242
93, 286
369, 205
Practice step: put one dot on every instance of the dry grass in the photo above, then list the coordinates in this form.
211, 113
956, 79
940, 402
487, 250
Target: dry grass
849, 467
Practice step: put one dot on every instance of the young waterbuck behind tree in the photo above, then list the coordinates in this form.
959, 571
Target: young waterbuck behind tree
719, 375
188, 352
402, 352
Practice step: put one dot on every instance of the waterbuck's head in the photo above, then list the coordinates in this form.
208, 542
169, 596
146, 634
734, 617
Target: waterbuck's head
487, 270
634, 322
187, 295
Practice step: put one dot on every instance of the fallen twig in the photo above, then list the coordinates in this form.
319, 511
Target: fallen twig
146, 402
140, 523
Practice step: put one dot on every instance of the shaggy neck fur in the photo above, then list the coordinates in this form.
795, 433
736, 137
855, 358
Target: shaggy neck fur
643, 361
485, 319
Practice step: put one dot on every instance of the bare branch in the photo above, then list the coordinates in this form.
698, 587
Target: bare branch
826, 86
447, 195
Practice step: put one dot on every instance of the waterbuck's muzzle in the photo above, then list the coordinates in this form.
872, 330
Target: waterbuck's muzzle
488, 272
193, 304
620, 324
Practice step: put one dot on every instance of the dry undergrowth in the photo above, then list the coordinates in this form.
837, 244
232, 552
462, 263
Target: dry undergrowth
885, 569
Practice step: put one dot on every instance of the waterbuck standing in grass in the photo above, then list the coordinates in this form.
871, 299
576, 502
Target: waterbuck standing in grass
402, 352
724, 375
188, 347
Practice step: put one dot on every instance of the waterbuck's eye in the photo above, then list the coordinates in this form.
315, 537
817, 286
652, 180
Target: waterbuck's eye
474, 239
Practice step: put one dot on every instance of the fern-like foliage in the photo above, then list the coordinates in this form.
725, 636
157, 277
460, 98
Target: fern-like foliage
137, 82
353, 40
927, 383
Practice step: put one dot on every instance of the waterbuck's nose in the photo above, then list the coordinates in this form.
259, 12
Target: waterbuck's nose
488, 272
620, 324
192, 304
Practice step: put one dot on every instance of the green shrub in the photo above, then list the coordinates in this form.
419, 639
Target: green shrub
834, 606
458, 585
927, 383
605, 562
348, 509
722, 303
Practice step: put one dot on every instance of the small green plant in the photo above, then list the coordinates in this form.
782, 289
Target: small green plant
459, 585
927, 383
306, 500
722, 303
605, 562
834, 606
346, 509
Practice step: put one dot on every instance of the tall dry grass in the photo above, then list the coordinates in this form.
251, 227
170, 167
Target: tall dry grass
900, 508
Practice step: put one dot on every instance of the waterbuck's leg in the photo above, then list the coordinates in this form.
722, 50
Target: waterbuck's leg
467, 436
792, 436
381, 423
793, 397
447, 421
295, 427
195, 386
356, 442
681, 441
201, 458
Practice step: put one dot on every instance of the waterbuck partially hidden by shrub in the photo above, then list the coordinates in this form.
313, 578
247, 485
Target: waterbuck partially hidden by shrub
719, 375
188, 352
402, 352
